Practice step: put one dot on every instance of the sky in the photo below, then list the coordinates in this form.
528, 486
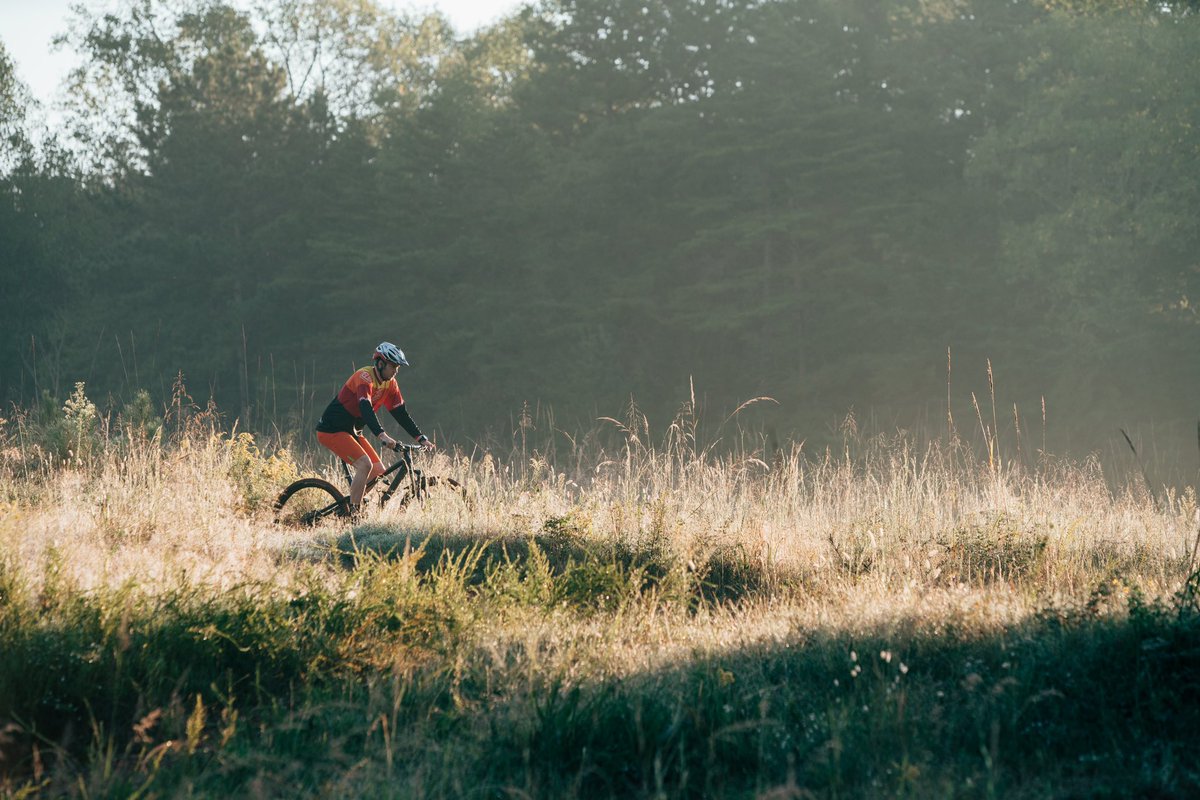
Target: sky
27, 27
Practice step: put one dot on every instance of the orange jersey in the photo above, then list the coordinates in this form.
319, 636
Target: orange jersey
344, 413
362, 386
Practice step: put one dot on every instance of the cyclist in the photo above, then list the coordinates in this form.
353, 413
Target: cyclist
341, 426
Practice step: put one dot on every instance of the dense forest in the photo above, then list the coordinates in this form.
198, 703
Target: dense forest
874, 207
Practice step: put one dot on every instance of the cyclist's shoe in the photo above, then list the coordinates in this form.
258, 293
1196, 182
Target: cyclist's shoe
356, 513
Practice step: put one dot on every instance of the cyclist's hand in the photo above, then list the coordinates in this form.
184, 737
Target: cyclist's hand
387, 441
426, 444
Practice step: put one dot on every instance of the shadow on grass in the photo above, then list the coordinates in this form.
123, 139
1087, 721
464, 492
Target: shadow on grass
1074, 702
591, 564
1066, 704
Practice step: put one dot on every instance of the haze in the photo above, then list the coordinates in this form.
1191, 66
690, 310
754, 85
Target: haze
976, 216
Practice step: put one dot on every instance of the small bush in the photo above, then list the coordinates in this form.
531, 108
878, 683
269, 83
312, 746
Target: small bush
66, 435
138, 418
598, 586
258, 478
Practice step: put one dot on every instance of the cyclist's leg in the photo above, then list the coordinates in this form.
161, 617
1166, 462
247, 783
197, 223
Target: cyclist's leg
366, 469
343, 445
358, 453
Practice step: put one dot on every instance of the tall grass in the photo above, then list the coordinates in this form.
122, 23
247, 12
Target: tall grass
625, 615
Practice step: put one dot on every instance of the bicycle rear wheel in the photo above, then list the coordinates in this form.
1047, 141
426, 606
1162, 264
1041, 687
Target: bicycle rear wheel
309, 501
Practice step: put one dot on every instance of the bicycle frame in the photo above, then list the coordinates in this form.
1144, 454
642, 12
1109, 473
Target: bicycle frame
400, 475
404, 462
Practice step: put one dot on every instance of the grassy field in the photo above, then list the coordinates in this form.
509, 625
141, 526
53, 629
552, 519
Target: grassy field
641, 620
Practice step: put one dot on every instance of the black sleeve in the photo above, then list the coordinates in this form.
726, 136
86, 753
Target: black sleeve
368, 415
401, 415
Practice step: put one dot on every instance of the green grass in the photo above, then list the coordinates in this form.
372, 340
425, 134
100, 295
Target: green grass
398, 676
662, 624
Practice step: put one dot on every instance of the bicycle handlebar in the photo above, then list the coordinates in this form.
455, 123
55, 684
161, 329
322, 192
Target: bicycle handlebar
402, 446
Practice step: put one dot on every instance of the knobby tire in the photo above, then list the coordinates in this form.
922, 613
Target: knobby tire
308, 501
420, 488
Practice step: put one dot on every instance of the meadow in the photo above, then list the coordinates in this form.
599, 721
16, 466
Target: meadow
629, 613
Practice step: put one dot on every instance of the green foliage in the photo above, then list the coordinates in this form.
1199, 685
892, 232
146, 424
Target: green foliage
139, 419
13, 103
1068, 696
809, 200
597, 586
577, 655
1090, 181
258, 478
66, 435
529, 580
997, 551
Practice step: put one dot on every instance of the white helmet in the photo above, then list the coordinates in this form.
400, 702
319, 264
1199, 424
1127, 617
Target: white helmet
390, 353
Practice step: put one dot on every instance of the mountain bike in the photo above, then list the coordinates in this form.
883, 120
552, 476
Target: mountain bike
309, 501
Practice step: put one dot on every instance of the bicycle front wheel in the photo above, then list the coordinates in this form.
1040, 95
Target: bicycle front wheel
309, 501
422, 486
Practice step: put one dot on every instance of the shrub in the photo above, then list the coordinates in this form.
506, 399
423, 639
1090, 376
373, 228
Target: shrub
138, 418
597, 586
68, 434
258, 478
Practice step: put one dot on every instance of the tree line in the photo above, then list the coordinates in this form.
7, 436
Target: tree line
856, 206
